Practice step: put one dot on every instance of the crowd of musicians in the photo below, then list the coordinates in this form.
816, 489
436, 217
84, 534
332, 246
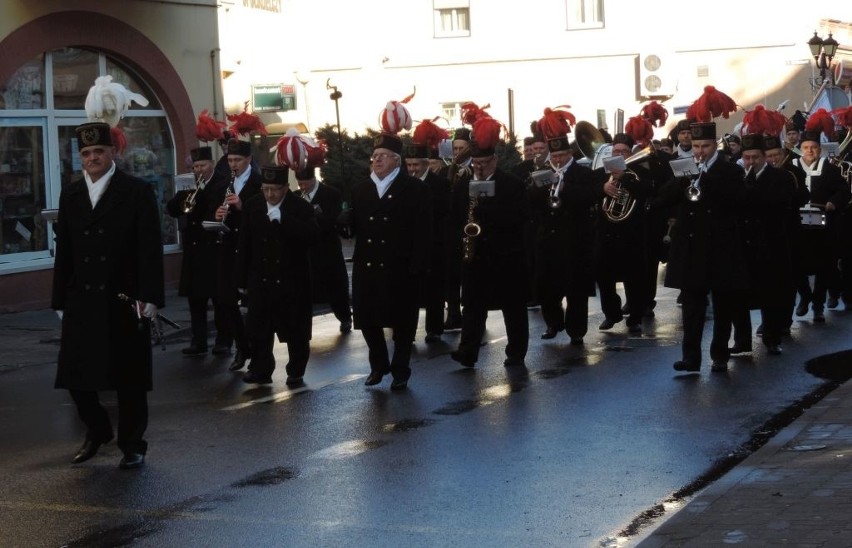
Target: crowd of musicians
440, 226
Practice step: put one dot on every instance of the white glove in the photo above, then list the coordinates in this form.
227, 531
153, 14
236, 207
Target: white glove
242, 291
59, 313
274, 214
149, 310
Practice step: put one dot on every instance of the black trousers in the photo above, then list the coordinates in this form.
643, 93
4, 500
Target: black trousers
635, 291
694, 309
232, 319
132, 418
574, 318
515, 319
198, 322
380, 360
263, 361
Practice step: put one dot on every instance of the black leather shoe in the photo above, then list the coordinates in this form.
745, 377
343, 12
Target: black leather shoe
346, 327
737, 349
255, 378
399, 385
819, 317
512, 361
608, 324
683, 365
634, 328
774, 349
373, 378
238, 363
452, 323
719, 367
131, 460
87, 451
221, 350
802, 308
831, 302
433, 337
550, 333
295, 382
463, 359
577, 341
192, 351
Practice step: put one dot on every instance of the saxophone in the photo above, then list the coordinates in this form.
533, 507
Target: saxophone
471, 230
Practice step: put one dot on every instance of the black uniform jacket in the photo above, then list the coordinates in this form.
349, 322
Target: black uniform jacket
393, 235
707, 248
226, 257
328, 266
565, 235
275, 267
498, 263
115, 248
198, 265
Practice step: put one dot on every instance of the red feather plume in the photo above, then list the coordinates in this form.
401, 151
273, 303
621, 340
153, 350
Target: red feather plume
486, 131
556, 122
245, 123
639, 129
844, 116
655, 113
471, 112
712, 104
762, 120
429, 134
119, 141
821, 120
208, 129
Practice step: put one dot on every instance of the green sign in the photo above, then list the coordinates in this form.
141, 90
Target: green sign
273, 97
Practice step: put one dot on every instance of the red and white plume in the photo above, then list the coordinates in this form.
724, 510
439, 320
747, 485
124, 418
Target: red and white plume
712, 104
245, 123
298, 152
395, 117
640, 130
556, 122
209, 129
762, 120
821, 120
655, 113
471, 112
844, 116
429, 134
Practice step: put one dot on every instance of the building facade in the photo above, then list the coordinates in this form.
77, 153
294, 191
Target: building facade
50, 54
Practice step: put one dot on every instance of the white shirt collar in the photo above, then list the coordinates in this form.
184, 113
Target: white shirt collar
97, 188
383, 184
240, 181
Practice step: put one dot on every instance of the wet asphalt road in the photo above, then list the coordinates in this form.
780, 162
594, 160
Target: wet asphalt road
566, 452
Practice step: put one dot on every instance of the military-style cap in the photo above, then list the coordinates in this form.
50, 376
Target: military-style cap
753, 141
201, 153
274, 175
416, 151
810, 135
771, 141
388, 141
703, 131
461, 134
239, 148
93, 134
559, 144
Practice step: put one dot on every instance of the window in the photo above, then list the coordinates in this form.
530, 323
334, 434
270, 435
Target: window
584, 14
451, 112
40, 105
452, 18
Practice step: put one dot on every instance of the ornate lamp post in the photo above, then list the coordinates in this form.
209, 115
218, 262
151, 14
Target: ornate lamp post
823, 52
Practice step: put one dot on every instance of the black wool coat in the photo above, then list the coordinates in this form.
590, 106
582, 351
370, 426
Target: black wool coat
327, 262
114, 249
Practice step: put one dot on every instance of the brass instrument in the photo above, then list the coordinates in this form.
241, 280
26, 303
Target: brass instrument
619, 208
471, 230
556, 189
693, 191
844, 165
454, 169
189, 201
587, 140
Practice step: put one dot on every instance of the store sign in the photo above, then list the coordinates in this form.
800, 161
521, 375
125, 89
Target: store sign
267, 5
273, 97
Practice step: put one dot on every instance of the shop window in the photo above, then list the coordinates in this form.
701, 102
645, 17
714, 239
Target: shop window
37, 130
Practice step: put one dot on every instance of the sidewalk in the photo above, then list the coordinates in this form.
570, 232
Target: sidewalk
796, 490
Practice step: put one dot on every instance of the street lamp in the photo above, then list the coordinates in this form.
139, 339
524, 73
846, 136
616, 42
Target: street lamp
335, 96
823, 52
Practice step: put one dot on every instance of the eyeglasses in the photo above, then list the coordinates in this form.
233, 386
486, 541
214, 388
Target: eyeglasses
381, 156
481, 163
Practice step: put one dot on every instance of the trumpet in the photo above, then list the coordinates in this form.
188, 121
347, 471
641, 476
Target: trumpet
555, 190
693, 191
189, 201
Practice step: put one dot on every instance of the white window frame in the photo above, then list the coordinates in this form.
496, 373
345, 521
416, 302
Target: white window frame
458, 13
584, 14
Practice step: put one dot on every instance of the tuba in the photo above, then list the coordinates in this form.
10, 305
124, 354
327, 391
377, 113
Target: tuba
587, 140
618, 209
189, 201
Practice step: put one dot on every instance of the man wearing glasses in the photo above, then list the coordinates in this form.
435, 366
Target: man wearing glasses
392, 221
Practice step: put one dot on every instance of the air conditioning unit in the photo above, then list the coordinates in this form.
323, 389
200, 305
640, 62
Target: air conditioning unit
654, 76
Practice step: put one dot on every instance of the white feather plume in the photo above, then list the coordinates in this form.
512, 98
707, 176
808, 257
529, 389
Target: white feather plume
109, 102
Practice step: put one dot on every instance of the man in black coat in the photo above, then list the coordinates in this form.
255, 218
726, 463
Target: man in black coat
198, 264
232, 194
417, 162
706, 253
328, 266
494, 272
108, 245
564, 243
391, 217
820, 223
274, 270
458, 173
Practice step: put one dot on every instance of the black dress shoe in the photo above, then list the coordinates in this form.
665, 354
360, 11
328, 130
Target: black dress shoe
608, 323
433, 337
683, 365
239, 362
346, 327
452, 323
192, 351
399, 384
774, 349
802, 308
462, 358
819, 316
221, 350
255, 378
719, 367
295, 382
87, 451
373, 378
550, 333
738, 349
131, 460
831, 302
634, 328
577, 341
513, 361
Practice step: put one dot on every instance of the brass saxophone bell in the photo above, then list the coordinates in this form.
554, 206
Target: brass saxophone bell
693, 193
